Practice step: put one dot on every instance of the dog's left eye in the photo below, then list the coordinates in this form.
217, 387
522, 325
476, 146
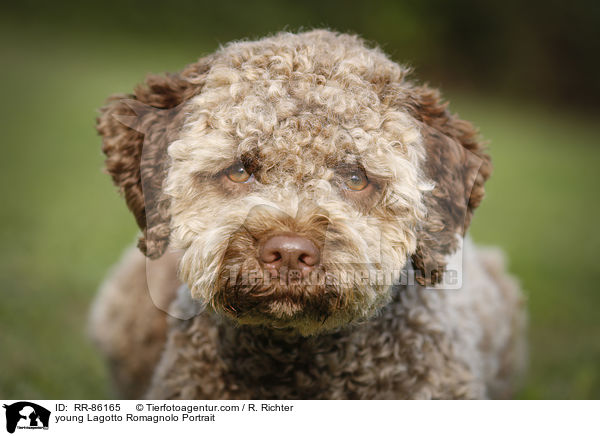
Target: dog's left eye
237, 173
356, 180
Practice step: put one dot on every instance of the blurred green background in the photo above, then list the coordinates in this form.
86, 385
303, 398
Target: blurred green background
525, 74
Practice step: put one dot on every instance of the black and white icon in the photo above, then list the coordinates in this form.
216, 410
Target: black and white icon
26, 415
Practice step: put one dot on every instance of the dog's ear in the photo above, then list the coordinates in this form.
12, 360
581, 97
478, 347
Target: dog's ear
455, 160
136, 130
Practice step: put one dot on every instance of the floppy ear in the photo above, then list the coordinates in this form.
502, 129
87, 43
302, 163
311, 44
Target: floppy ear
137, 129
458, 165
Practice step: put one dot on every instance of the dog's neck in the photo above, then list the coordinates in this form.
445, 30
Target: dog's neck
291, 365
282, 359
258, 362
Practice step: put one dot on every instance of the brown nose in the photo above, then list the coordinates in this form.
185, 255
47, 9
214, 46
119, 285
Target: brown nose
290, 251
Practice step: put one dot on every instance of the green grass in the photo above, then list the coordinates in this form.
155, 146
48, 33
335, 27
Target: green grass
62, 223
542, 208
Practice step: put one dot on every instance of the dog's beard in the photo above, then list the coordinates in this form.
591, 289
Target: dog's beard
249, 293
329, 297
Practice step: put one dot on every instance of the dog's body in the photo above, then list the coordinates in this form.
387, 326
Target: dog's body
287, 174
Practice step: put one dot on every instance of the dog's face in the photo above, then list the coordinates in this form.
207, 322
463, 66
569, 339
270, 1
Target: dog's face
298, 175
284, 206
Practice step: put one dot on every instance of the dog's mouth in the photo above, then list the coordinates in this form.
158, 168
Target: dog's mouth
284, 297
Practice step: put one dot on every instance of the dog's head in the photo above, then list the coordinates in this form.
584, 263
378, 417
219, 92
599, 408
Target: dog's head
297, 174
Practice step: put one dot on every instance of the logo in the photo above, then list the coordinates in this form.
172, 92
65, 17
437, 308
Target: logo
26, 415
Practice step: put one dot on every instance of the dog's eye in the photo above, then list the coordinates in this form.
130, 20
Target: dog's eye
237, 173
356, 180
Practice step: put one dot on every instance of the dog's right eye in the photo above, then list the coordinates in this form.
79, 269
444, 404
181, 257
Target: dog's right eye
237, 173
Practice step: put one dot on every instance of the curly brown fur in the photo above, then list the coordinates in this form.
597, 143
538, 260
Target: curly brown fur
210, 358
458, 163
151, 114
413, 349
301, 119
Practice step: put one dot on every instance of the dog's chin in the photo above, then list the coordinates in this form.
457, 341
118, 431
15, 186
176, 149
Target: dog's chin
279, 305
305, 309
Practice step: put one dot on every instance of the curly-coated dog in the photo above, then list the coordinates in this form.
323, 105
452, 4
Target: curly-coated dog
303, 205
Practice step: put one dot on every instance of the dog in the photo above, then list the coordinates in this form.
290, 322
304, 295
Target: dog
303, 207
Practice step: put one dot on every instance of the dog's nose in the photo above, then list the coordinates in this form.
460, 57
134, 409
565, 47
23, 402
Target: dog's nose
289, 251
